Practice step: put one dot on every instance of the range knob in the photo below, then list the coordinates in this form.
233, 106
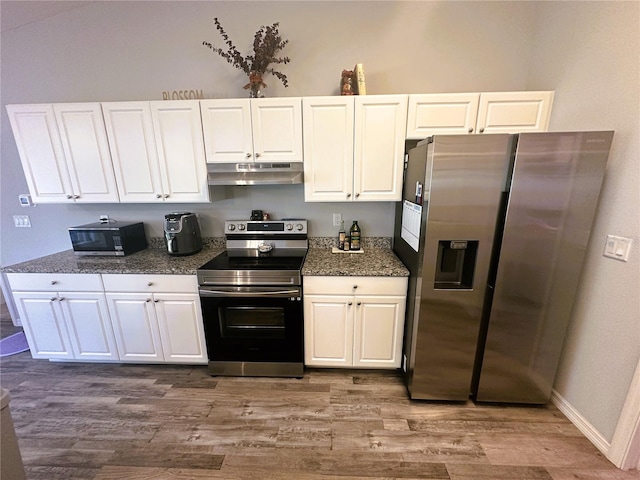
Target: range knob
289, 226
241, 226
231, 227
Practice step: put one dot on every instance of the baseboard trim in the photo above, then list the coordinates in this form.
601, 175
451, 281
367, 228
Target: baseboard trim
581, 423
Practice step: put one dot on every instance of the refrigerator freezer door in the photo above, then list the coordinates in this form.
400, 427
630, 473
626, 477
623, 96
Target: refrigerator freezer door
556, 184
468, 176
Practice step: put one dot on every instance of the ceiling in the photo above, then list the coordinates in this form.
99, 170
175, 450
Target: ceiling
16, 13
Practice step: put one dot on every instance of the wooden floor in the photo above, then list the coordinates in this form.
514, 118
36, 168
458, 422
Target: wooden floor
116, 421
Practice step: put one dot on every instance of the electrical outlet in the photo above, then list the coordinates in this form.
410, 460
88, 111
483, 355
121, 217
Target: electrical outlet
21, 221
337, 218
617, 247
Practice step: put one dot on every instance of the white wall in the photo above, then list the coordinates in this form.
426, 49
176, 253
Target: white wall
589, 52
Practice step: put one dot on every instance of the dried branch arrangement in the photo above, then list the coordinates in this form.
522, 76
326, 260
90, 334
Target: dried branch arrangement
267, 43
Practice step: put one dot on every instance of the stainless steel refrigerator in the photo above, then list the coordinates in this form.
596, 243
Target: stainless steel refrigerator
494, 230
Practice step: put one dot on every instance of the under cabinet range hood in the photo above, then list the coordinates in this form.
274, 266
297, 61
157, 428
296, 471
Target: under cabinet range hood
254, 173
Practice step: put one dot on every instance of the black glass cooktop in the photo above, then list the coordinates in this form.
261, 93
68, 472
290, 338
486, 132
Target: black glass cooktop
283, 260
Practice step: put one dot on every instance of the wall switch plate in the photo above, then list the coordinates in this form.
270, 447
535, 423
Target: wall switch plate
617, 247
337, 218
21, 221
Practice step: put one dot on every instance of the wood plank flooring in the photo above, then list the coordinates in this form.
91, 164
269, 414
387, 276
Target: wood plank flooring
123, 421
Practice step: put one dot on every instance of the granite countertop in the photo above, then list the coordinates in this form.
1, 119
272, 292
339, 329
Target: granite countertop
377, 260
149, 261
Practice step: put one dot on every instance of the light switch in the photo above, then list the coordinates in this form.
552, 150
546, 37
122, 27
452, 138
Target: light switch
617, 247
21, 221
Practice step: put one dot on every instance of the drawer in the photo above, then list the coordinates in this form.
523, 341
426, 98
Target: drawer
55, 282
150, 283
355, 285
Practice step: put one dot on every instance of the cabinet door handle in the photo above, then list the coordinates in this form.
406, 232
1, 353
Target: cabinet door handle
53, 299
158, 195
148, 300
355, 286
482, 130
166, 195
471, 130
70, 197
357, 195
53, 282
156, 301
61, 299
350, 303
149, 284
359, 303
257, 155
348, 195
76, 196
248, 155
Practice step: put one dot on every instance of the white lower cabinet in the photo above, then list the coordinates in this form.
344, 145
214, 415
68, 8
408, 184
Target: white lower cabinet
354, 321
151, 322
62, 324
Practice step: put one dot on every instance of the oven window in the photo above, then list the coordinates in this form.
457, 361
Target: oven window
252, 322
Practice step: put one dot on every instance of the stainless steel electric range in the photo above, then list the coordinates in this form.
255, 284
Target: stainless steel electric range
251, 297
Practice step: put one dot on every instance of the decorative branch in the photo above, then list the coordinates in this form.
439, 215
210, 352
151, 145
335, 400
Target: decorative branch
267, 43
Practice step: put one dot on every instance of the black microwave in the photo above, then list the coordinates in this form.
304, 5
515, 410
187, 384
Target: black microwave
110, 239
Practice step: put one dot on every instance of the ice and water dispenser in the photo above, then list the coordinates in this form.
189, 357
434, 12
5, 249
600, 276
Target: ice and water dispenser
455, 264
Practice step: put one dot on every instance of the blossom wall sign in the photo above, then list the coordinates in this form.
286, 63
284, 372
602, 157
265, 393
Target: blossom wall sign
267, 44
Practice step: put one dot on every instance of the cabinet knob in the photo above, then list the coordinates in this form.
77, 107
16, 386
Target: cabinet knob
156, 301
149, 284
355, 286
53, 282
166, 195
350, 303
482, 130
148, 300
357, 195
471, 130
61, 299
257, 155
53, 299
76, 196
158, 195
348, 195
359, 303
70, 197
248, 155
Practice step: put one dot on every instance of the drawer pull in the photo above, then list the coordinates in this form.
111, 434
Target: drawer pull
149, 284
355, 286
53, 282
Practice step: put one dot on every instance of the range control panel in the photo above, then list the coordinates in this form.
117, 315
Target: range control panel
287, 226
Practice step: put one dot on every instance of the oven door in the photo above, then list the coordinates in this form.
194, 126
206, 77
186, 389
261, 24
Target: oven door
253, 324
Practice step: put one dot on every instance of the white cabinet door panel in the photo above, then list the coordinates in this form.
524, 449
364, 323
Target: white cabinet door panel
380, 131
328, 148
328, 324
133, 151
226, 125
513, 112
178, 132
135, 327
86, 149
181, 328
40, 148
378, 337
441, 114
89, 326
43, 323
277, 129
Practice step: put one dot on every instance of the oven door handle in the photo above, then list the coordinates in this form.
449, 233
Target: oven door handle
257, 294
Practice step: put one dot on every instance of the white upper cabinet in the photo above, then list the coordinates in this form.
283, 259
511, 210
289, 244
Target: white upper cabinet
442, 114
178, 133
464, 113
252, 130
64, 152
514, 112
354, 147
140, 174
